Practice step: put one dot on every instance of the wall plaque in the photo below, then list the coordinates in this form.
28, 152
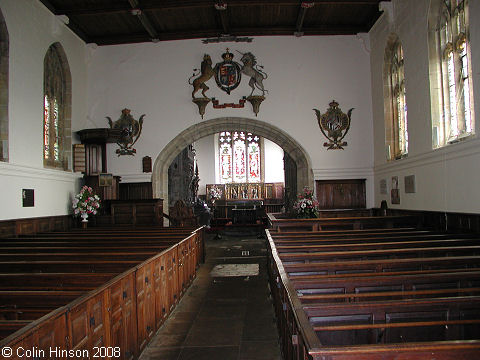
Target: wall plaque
383, 186
410, 184
28, 198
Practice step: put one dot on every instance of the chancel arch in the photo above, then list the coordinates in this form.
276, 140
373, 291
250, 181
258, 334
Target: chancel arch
304, 173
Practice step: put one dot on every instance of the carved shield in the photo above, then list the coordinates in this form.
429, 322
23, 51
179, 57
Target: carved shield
227, 73
334, 124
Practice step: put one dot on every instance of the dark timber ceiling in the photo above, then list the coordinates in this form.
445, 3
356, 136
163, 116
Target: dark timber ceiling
107, 22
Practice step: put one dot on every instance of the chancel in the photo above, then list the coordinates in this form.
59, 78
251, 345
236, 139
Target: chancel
309, 191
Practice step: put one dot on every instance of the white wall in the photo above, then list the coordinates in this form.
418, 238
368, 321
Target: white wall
447, 179
303, 73
32, 29
274, 171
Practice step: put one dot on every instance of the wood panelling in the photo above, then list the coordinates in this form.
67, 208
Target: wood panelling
136, 191
31, 226
110, 192
137, 212
341, 194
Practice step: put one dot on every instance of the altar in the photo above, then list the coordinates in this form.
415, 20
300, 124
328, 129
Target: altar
245, 203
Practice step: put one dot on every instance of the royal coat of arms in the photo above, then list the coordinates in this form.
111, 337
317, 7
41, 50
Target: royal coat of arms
131, 130
227, 73
334, 124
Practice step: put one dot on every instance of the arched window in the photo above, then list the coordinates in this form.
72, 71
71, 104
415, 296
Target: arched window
450, 72
239, 157
57, 104
4, 58
396, 135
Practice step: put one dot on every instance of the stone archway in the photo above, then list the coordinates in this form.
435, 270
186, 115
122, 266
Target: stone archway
209, 127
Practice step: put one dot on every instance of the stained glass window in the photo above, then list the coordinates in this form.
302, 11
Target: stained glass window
54, 104
454, 119
239, 157
4, 63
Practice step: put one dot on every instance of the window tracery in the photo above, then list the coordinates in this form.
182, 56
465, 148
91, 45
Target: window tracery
239, 157
396, 121
55, 109
452, 103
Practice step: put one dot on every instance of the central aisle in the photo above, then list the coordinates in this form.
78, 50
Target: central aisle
226, 314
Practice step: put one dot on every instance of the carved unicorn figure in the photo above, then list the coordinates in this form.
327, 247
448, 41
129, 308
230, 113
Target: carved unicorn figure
254, 71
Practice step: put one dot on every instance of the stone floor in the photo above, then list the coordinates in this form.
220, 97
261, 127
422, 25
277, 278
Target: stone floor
223, 317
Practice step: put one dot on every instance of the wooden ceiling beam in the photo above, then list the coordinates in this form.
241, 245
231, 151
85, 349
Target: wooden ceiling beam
146, 23
179, 4
221, 10
304, 6
181, 35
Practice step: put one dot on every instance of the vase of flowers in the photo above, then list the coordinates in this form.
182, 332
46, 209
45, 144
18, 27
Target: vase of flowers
85, 203
306, 206
215, 194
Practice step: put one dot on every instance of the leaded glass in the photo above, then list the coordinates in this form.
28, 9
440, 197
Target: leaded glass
253, 162
46, 128
399, 105
54, 97
239, 157
457, 90
225, 163
239, 161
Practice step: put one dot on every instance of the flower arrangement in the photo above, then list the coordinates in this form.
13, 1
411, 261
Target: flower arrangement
215, 193
86, 202
306, 205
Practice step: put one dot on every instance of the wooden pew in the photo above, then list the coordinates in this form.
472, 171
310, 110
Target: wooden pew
280, 224
384, 322
295, 246
395, 253
365, 288
149, 285
54, 281
384, 265
333, 308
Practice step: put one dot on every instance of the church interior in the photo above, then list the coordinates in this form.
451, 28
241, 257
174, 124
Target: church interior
239, 179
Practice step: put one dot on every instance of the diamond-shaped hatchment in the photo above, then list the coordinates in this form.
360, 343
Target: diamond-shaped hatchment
229, 270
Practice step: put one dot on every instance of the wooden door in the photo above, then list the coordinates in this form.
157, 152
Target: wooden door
53, 335
161, 300
145, 304
181, 267
123, 327
172, 277
89, 322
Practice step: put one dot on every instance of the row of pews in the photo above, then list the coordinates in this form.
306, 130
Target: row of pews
92, 293
338, 220
376, 293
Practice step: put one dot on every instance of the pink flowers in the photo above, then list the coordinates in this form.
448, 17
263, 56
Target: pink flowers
86, 201
306, 205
